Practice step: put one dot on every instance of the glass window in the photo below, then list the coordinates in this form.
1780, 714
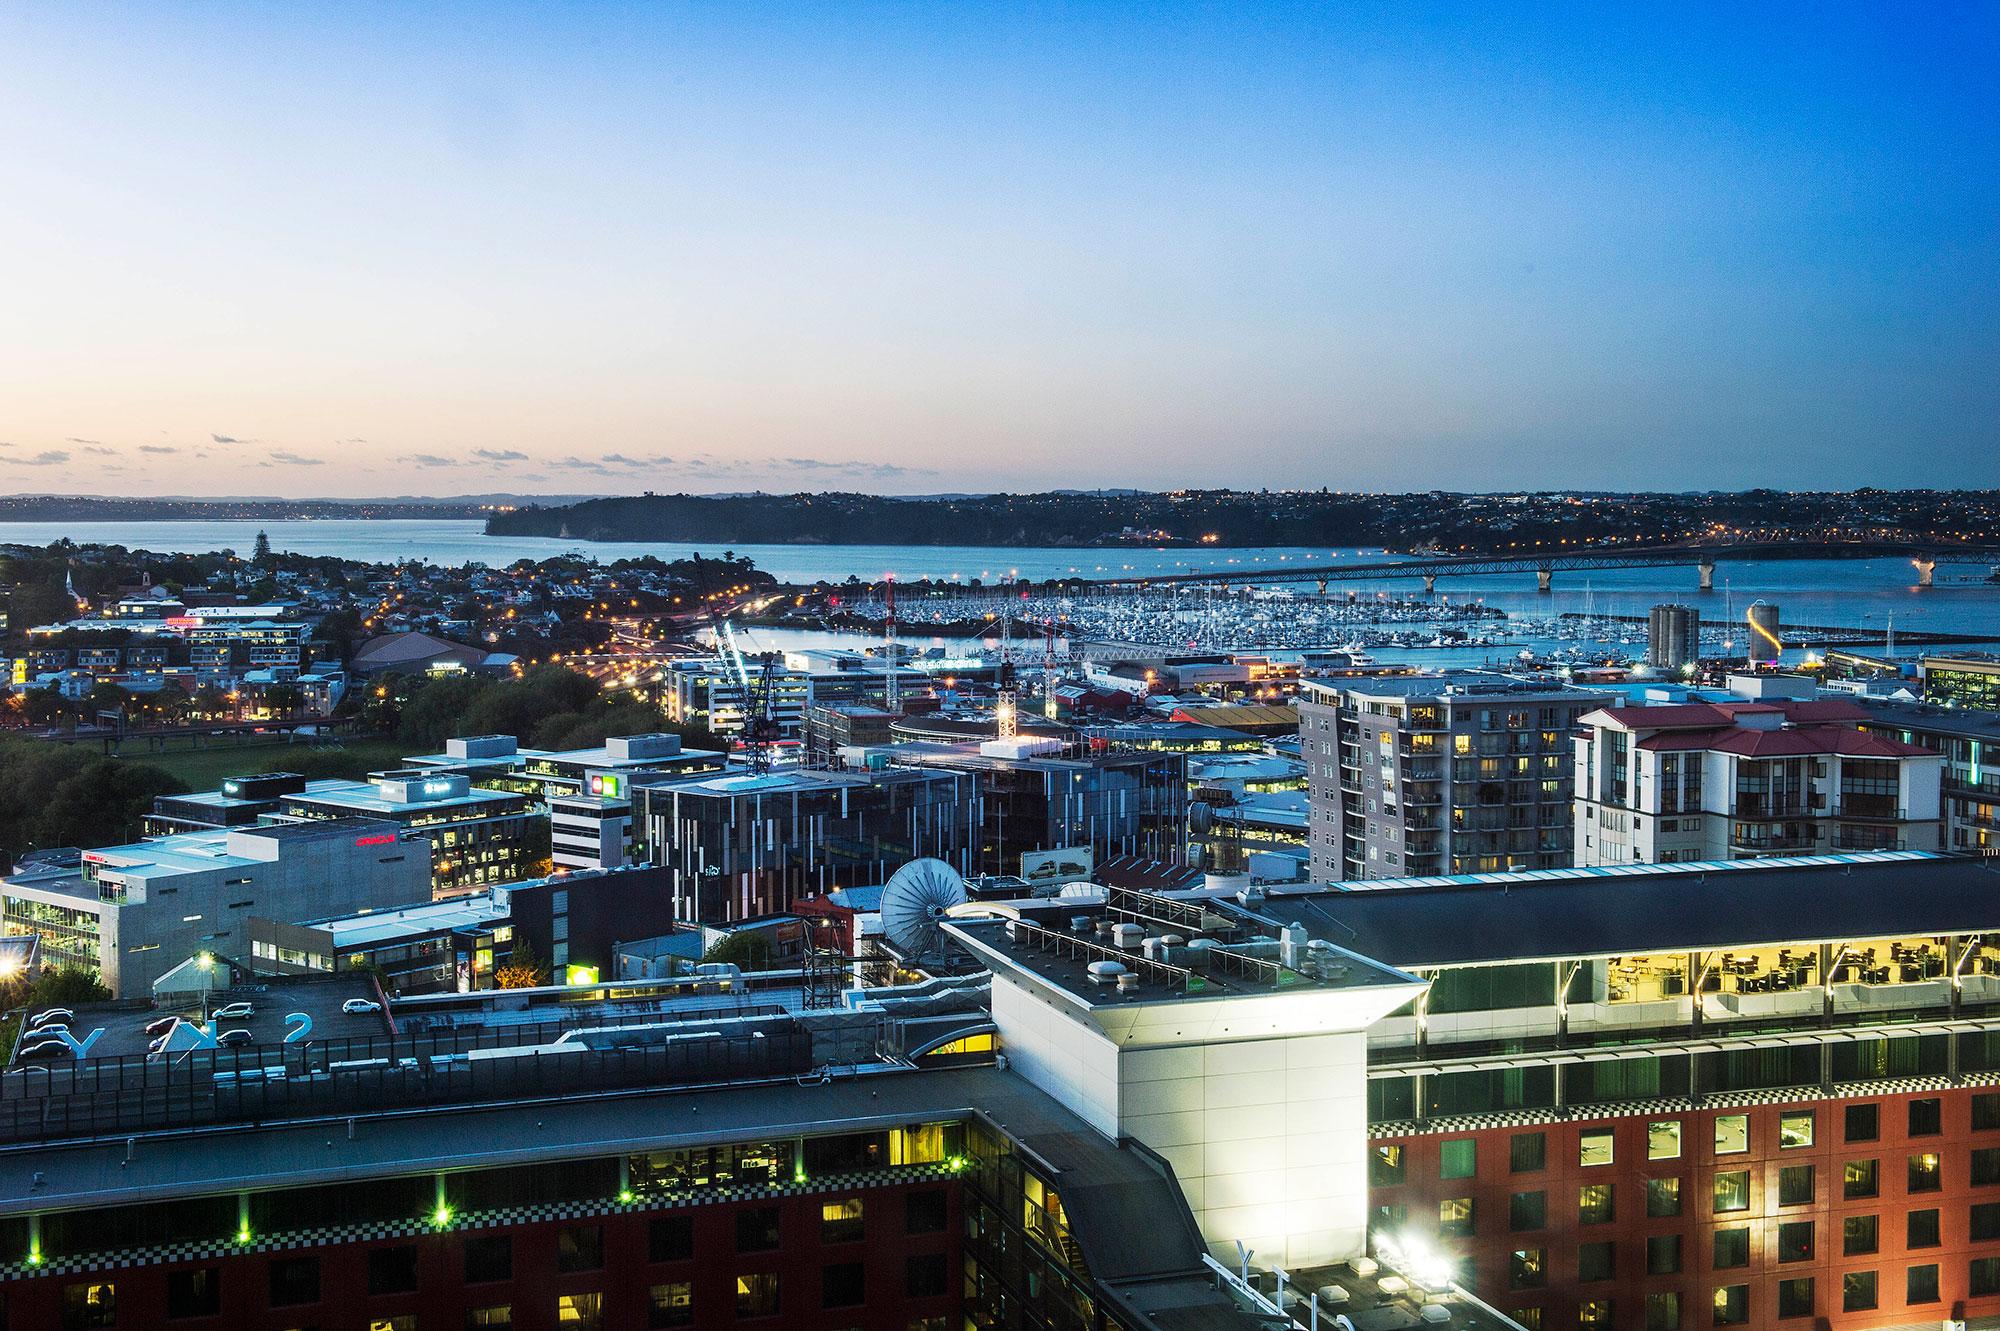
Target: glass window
1593, 1313
1986, 1111
1663, 1255
1732, 1247
757, 1294
89, 1305
1528, 1210
1795, 1130
1595, 1261
583, 1311
926, 1276
1864, 1122
1795, 1297
1732, 1190
925, 1212
1594, 1204
840, 1221
1385, 1165
1594, 1148
580, 1248
842, 1285
1985, 1166
1663, 1140
1732, 1305
757, 1229
492, 1317
1795, 1185
1663, 1311
1663, 1197
1921, 1229
1926, 1117
488, 1257
670, 1238
1926, 1172
1455, 1217
392, 1270
1527, 1151
196, 1293
1858, 1235
671, 1304
1857, 1291
294, 1280
1732, 1133
1458, 1159
1986, 1222
1795, 1241
1920, 1284
1984, 1276
1858, 1179
1528, 1268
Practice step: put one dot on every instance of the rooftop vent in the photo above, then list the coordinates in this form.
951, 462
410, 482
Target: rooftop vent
1104, 972
1126, 937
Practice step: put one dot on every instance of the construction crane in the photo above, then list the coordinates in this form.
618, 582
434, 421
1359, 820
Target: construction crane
892, 689
760, 727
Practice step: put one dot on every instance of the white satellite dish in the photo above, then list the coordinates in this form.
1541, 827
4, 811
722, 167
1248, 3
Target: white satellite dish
915, 900
1083, 894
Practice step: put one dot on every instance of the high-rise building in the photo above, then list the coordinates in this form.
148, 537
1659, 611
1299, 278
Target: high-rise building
1458, 773
1962, 681
1673, 637
1732, 780
1967, 741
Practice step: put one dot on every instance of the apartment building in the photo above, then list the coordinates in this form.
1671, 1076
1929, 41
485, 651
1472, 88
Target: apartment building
1968, 741
1730, 780
1459, 773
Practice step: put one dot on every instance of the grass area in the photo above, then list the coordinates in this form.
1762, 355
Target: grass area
205, 768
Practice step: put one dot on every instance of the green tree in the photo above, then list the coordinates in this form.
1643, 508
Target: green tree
746, 949
102, 804
261, 552
523, 969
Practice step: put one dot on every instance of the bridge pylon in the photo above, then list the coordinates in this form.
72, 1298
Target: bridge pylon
1926, 570
1545, 580
1430, 584
1707, 570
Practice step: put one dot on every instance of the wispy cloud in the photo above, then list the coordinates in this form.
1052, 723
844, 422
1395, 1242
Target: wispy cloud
428, 460
873, 470
51, 457
579, 464
503, 456
287, 459
74, 440
158, 448
100, 450
225, 439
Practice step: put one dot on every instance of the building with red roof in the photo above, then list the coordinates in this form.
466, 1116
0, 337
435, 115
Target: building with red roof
1746, 779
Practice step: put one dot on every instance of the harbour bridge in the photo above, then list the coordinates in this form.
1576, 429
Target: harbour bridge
1923, 556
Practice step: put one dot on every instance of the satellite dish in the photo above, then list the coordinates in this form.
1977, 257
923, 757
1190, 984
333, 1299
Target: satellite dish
1083, 894
914, 900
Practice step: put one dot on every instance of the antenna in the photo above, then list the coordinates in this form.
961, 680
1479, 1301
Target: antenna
915, 901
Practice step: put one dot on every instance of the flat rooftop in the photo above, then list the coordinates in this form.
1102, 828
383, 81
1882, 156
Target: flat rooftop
1637, 910
374, 928
363, 797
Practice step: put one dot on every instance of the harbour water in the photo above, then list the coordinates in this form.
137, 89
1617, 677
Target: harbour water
1861, 593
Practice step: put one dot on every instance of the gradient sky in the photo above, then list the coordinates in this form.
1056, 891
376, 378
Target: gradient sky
346, 250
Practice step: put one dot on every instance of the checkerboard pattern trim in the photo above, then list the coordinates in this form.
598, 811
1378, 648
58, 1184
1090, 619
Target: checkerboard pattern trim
470, 1221
1528, 1118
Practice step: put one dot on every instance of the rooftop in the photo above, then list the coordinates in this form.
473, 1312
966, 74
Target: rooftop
1639, 909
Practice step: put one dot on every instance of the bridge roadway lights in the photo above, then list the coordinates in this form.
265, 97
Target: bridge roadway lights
1926, 570
1707, 567
1545, 580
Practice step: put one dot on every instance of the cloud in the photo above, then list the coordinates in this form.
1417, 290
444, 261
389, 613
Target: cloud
499, 455
158, 448
296, 459
579, 464
74, 440
100, 450
876, 470
428, 460
52, 457
227, 439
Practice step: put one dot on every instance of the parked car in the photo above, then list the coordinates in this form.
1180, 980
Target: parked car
162, 1026
235, 1012
239, 1036
360, 1007
42, 1049
61, 1014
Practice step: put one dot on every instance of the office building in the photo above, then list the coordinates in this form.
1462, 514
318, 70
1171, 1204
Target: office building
477, 837
1967, 742
129, 914
1456, 773
498, 762
1962, 681
737, 847
1039, 795
1673, 637
831, 727
1730, 780
704, 691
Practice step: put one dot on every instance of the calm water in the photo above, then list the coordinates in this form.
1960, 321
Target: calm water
1866, 593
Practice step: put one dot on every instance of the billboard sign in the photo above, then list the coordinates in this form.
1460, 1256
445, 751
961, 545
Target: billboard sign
1066, 864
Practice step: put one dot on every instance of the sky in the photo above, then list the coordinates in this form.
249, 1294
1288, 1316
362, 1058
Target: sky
355, 250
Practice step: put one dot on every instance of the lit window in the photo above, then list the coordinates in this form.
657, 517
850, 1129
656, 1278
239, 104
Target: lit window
1594, 1148
1795, 1130
1732, 1134
1663, 1140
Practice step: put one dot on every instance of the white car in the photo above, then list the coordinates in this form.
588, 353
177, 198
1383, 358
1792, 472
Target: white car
360, 1007
234, 1012
54, 1014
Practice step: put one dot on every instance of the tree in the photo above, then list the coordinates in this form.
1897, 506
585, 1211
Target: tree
746, 949
523, 968
261, 552
103, 804
283, 700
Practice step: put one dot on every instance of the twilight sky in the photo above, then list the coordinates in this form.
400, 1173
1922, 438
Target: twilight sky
349, 250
